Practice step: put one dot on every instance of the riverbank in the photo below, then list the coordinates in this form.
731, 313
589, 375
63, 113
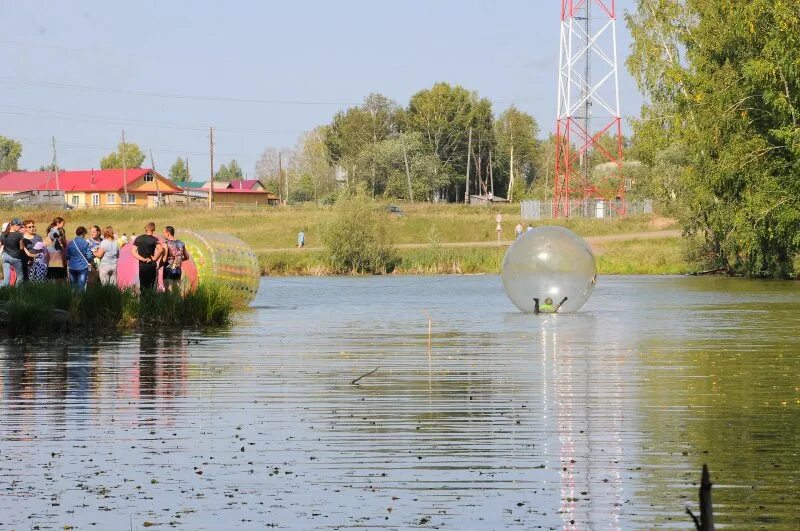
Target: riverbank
441, 238
642, 254
55, 308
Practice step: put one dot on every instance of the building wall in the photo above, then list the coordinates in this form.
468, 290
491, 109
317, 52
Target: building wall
106, 199
241, 198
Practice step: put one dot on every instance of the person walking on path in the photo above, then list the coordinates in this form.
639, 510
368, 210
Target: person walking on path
79, 260
518, 230
301, 239
176, 255
108, 253
12, 253
147, 250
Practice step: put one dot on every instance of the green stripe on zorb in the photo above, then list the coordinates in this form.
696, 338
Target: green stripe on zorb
224, 259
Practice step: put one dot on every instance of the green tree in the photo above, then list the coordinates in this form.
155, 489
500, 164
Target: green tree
316, 175
356, 238
50, 167
354, 131
723, 85
231, 172
443, 116
179, 171
10, 152
134, 157
516, 133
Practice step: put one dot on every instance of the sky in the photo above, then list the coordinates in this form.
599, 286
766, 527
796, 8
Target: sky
260, 73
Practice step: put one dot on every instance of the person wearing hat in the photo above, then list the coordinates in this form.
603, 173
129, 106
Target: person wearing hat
13, 254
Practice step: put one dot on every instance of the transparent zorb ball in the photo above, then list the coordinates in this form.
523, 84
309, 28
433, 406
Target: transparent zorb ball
549, 263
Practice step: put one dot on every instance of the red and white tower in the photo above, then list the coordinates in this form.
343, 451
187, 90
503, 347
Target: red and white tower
588, 107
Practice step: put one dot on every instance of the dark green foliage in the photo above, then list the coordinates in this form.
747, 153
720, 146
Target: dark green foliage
357, 238
721, 126
30, 308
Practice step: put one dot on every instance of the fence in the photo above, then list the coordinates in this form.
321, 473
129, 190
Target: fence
585, 209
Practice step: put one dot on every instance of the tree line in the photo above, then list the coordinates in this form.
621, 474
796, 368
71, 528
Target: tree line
720, 130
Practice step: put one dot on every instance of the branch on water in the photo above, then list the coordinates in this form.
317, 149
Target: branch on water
365, 375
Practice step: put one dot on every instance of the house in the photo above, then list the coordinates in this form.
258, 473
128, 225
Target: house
243, 191
95, 188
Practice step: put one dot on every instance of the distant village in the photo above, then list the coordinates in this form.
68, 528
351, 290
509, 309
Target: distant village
135, 187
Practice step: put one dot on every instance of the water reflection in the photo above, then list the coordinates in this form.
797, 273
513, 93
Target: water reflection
598, 419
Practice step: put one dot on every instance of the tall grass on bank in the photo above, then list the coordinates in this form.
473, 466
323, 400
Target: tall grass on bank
635, 257
33, 308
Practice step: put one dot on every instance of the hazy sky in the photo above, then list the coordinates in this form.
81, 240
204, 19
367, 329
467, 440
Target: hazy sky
259, 72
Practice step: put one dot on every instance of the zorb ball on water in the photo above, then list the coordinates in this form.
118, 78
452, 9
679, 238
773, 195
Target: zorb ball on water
213, 257
549, 262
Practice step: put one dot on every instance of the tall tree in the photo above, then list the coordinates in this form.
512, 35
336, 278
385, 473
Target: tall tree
516, 133
10, 152
723, 87
179, 171
358, 129
134, 157
316, 175
443, 116
231, 172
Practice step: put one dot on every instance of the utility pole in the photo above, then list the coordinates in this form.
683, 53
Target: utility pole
188, 179
211, 155
280, 178
124, 171
469, 155
491, 175
408, 171
55, 164
511, 169
155, 178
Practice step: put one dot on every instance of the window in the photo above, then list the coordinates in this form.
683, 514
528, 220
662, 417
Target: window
76, 200
131, 198
111, 199
148, 177
95, 199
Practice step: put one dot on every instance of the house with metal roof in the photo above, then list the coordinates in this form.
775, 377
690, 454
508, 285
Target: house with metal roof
95, 188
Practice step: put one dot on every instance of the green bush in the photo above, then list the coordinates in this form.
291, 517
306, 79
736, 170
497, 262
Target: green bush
356, 238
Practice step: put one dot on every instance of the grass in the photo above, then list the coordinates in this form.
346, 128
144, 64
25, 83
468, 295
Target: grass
634, 257
30, 308
267, 228
272, 233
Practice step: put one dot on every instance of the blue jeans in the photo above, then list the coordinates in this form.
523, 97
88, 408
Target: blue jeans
78, 278
9, 263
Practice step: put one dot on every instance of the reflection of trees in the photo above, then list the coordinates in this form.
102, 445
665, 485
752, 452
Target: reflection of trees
726, 394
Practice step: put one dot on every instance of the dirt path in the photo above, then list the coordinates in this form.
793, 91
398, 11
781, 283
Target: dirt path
594, 241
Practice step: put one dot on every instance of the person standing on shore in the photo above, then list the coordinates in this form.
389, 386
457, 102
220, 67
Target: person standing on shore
29, 239
79, 260
12, 253
56, 243
108, 253
147, 250
176, 255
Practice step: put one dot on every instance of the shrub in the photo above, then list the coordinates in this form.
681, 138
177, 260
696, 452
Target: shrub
356, 239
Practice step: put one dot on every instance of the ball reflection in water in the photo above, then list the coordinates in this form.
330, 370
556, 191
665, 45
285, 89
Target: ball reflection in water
549, 263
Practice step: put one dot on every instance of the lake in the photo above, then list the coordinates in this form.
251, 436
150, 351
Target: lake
599, 419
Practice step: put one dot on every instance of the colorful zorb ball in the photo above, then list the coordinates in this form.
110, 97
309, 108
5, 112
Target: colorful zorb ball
213, 257
549, 263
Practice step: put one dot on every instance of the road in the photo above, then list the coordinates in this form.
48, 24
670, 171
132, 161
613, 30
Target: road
594, 241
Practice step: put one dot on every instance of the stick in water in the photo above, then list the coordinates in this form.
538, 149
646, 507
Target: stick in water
365, 375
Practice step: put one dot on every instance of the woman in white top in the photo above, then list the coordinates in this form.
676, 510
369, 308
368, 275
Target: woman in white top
108, 253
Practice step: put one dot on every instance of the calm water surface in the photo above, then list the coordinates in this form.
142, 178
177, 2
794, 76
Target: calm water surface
600, 419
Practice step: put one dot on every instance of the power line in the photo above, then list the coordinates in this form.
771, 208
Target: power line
94, 118
51, 84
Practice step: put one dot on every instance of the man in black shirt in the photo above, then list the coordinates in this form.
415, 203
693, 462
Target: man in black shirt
147, 250
13, 255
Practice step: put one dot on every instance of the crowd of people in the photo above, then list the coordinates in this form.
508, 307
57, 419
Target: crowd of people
91, 256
